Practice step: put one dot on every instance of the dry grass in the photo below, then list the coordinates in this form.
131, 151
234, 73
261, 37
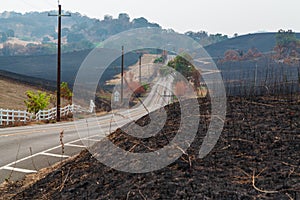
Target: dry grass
14, 40
146, 71
12, 94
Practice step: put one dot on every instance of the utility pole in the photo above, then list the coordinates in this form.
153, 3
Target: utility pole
140, 68
58, 79
255, 76
122, 74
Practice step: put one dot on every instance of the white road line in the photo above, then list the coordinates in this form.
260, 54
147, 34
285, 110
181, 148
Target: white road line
210, 72
31, 156
19, 169
54, 155
92, 140
28, 157
75, 145
133, 114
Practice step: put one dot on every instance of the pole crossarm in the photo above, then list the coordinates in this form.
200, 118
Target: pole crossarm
57, 15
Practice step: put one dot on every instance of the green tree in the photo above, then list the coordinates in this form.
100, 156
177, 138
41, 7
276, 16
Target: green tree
108, 18
36, 101
124, 17
10, 33
285, 38
46, 40
182, 64
65, 32
3, 37
66, 92
140, 22
287, 46
74, 37
159, 60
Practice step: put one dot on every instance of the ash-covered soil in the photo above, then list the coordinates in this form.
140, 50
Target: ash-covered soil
256, 157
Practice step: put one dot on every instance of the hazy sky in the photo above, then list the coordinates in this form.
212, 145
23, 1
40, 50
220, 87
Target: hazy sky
215, 16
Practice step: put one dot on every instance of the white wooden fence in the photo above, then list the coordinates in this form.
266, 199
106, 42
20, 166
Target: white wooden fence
12, 116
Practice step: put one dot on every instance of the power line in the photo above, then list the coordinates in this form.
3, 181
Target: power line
50, 3
36, 7
31, 5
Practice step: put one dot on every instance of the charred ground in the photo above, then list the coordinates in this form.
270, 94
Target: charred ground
257, 156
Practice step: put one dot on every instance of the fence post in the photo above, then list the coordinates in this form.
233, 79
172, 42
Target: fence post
37, 116
13, 117
92, 106
1, 117
19, 116
7, 117
24, 117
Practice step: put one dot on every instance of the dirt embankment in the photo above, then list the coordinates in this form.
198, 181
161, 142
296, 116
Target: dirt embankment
13, 94
256, 157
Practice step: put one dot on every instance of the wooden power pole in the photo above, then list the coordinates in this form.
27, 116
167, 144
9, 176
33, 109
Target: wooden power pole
140, 69
122, 74
58, 80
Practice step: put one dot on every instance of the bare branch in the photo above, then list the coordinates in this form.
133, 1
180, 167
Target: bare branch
260, 190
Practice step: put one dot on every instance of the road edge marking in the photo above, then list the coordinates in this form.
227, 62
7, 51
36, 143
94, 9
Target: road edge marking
27, 171
75, 145
54, 155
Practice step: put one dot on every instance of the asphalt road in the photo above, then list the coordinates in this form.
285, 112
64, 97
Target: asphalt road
27, 149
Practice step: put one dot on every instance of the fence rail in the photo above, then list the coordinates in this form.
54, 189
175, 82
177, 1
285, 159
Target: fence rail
12, 116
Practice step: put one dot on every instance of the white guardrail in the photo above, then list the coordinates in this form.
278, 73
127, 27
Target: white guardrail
12, 116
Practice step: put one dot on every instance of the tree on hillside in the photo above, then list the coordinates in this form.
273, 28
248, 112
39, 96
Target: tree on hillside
66, 92
3, 37
197, 35
231, 55
285, 38
108, 17
252, 54
82, 31
287, 46
124, 17
65, 32
10, 33
139, 22
214, 38
239, 55
46, 40
204, 39
182, 64
142, 22
10, 49
75, 37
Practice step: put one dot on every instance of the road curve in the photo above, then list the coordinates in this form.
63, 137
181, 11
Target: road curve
27, 149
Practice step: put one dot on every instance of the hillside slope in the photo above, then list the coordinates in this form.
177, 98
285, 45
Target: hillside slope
264, 42
44, 66
256, 157
13, 93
